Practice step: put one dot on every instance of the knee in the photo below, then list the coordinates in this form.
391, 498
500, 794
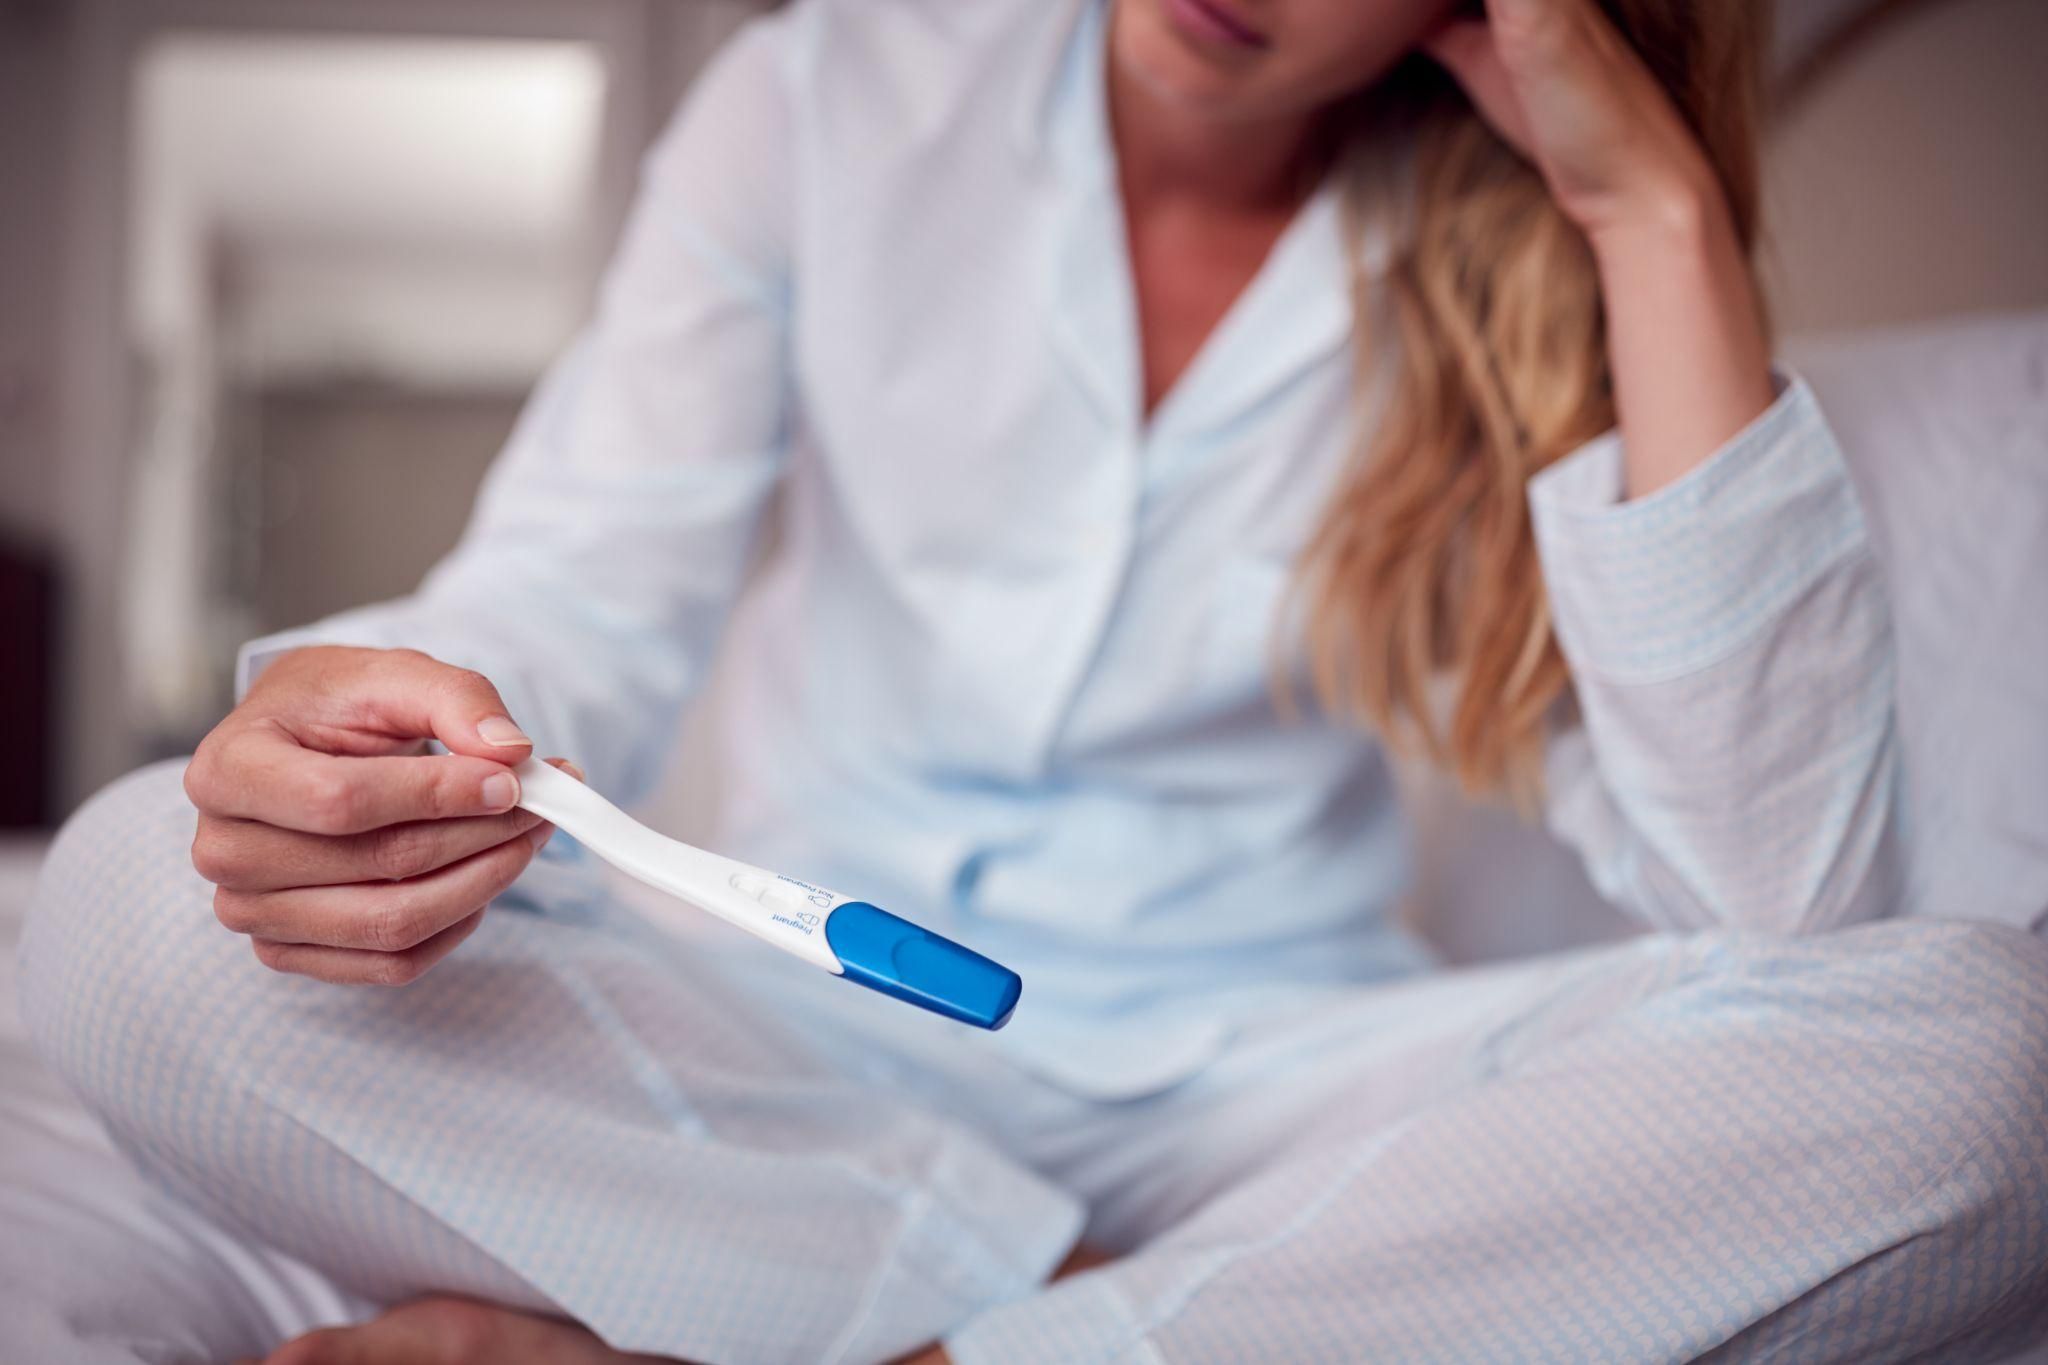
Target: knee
1968, 1034
1988, 1007
1904, 1064
1969, 992
1978, 993
118, 918
1965, 1002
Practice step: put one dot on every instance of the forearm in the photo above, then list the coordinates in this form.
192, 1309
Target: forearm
1685, 333
1730, 648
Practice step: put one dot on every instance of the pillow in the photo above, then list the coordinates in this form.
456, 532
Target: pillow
1945, 429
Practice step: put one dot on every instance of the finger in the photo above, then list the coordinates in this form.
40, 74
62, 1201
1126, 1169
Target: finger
411, 1334
383, 917
378, 1342
1466, 48
1459, 44
358, 967
380, 701
435, 1330
263, 774
1553, 24
420, 695
1564, 40
249, 855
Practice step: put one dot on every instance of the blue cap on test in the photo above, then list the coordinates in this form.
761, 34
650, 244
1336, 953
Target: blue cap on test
894, 956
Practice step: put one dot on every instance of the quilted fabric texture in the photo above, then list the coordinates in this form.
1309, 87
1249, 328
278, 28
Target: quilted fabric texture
1824, 1149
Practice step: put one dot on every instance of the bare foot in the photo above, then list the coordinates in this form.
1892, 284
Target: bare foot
1082, 1257
445, 1330
452, 1331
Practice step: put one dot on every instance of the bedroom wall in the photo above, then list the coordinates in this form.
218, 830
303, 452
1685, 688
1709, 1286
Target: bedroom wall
1912, 184
67, 384
1913, 181
32, 71
342, 454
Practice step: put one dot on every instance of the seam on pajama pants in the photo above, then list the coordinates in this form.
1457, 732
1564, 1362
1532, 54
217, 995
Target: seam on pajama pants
1095, 1324
1748, 993
263, 1096
197, 1087
934, 1240
98, 1075
164, 1168
642, 1065
871, 1294
1492, 1057
1211, 1265
1136, 1330
1004, 1267
915, 1203
931, 1237
1494, 1053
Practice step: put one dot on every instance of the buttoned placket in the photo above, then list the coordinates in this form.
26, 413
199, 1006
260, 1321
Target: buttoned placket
1293, 313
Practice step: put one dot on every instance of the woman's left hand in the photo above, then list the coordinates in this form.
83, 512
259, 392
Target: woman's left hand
1563, 87
1685, 334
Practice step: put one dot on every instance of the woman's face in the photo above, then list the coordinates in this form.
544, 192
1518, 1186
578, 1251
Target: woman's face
1255, 59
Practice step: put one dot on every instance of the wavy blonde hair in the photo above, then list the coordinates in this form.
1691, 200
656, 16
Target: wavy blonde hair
1427, 616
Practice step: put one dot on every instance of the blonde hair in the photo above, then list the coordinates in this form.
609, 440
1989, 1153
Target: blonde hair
1423, 575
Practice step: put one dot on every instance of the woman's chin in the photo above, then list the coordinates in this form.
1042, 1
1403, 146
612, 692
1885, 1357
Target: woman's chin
1155, 57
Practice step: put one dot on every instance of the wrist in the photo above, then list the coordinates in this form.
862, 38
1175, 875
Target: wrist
1679, 214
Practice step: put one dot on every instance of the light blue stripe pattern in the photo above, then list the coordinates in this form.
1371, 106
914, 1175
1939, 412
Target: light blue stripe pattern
1822, 1149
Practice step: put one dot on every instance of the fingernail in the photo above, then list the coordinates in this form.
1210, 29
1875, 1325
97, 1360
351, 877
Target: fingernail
501, 731
501, 791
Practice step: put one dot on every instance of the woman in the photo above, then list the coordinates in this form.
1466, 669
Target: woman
1128, 371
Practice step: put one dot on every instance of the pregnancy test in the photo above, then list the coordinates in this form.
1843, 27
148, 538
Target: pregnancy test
846, 937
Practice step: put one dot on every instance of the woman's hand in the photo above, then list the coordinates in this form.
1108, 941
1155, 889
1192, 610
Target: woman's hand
1556, 80
338, 845
1685, 333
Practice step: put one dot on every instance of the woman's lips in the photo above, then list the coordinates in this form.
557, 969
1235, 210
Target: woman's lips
1213, 21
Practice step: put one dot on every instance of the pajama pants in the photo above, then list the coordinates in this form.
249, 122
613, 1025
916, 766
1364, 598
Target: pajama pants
1715, 1146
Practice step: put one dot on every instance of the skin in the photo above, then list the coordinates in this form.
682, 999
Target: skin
334, 842
371, 871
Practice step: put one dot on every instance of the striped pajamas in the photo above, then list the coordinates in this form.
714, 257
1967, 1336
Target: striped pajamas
1008, 675
1718, 1145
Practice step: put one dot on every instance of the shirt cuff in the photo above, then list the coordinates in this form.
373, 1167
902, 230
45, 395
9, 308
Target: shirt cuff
364, 626
1666, 584
257, 655
261, 653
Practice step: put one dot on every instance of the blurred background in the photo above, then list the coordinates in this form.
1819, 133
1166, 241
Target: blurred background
275, 276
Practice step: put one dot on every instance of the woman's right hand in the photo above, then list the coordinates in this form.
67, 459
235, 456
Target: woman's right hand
337, 843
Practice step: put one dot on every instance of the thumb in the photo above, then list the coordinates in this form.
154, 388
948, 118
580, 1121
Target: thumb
457, 706
467, 714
